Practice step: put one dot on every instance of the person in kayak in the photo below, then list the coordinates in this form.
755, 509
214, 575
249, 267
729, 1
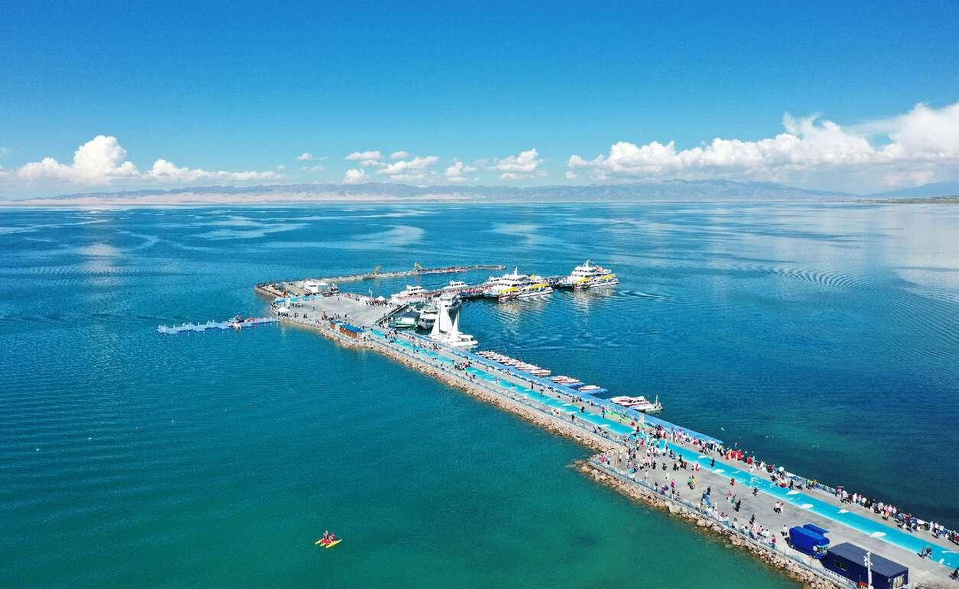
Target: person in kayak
326, 538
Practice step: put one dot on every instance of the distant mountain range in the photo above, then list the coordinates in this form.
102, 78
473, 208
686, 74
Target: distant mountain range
668, 190
664, 190
926, 190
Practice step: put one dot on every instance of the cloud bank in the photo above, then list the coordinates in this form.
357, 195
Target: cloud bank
102, 161
919, 146
366, 158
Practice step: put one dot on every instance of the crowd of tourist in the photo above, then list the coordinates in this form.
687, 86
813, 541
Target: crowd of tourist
779, 476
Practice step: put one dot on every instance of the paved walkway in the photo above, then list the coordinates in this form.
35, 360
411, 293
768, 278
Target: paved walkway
845, 522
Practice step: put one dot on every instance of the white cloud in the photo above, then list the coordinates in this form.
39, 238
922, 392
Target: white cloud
366, 158
919, 146
457, 172
520, 167
925, 130
570, 175
316, 168
164, 171
400, 155
305, 156
414, 170
355, 176
97, 161
102, 160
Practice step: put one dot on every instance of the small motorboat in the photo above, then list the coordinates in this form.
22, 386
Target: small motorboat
638, 403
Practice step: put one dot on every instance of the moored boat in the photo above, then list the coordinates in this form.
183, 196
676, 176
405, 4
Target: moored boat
638, 403
589, 275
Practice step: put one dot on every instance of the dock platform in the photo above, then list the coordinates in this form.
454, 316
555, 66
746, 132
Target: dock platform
356, 320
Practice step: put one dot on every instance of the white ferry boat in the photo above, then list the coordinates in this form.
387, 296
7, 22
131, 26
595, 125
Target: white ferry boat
452, 300
429, 310
507, 282
428, 315
454, 284
535, 287
412, 293
589, 275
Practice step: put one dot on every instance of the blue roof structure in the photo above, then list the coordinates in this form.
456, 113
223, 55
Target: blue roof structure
881, 565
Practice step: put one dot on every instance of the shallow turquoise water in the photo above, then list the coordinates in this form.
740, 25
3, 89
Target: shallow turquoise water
127, 458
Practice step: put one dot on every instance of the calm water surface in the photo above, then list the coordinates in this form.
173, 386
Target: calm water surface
824, 337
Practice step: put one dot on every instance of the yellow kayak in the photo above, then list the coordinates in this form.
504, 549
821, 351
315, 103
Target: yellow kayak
327, 544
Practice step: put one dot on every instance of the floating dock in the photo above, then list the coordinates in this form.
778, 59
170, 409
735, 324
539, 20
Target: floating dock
210, 325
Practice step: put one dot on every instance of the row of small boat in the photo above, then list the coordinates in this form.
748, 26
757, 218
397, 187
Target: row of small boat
516, 364
638, 403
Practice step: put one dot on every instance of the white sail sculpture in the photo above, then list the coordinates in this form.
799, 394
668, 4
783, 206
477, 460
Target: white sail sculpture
447, 331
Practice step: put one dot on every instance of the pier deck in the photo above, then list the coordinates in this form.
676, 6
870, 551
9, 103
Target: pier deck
849, 523
359, 310
846, 523
296, 287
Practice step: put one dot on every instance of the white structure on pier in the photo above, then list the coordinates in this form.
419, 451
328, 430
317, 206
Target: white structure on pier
447, 330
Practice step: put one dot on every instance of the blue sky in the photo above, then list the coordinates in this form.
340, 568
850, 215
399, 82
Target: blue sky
247, 88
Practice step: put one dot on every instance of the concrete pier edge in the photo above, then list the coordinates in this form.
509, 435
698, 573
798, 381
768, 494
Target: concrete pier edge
783, 564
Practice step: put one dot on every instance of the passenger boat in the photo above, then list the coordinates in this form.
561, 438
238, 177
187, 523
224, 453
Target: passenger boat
412, 293
452, 300
428, 314
536, 288
457, 284
589, 275
507, 282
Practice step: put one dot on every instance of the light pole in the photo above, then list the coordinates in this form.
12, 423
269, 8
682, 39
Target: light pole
868, 562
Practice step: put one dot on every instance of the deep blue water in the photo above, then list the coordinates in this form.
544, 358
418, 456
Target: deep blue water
822, 336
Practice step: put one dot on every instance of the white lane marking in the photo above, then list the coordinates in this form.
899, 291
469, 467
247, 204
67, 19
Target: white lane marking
719, 470
878, 534
793, 492
843, 511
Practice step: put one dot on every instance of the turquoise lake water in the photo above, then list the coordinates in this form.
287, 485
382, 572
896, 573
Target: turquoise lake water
825, 337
